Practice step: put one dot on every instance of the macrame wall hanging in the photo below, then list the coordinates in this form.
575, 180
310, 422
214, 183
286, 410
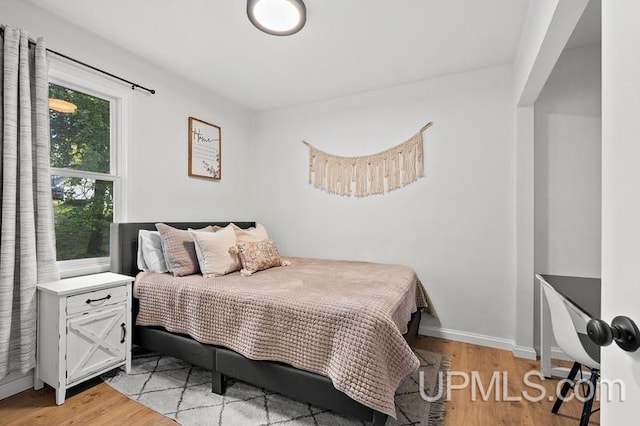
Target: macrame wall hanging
369, 175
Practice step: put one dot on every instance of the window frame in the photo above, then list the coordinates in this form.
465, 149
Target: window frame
74, 77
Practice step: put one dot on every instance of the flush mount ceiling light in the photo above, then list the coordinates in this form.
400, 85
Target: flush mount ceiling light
277, 17
62, 106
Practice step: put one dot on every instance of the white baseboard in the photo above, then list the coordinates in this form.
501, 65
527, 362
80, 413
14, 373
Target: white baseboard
15, 383
479, 339
466, 337
524, 352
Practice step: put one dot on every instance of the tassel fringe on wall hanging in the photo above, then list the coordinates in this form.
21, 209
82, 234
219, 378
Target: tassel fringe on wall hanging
369, 175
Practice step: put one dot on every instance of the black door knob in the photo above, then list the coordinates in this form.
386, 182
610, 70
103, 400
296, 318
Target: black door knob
600, 332
623, 330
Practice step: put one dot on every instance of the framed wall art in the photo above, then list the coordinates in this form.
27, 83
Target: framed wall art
205, 156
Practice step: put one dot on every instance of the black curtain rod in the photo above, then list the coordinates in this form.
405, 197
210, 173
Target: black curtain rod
84, 64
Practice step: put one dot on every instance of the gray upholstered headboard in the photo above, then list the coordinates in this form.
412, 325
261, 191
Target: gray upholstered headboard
124, 241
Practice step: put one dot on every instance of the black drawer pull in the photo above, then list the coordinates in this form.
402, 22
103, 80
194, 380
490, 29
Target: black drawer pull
124, 332
107, 297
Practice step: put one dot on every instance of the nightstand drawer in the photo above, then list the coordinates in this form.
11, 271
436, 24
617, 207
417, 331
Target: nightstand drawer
96, 299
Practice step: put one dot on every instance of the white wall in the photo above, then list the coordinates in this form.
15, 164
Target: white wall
568, 159
455, 226
547, 28
158, 185
535, 30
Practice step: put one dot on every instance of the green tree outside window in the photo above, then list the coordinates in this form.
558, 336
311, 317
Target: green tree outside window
83, 206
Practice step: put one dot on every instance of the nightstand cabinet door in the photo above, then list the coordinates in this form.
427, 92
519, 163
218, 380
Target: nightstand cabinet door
95, 341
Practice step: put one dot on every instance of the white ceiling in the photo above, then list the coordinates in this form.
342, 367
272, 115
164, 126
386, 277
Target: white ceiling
347, 46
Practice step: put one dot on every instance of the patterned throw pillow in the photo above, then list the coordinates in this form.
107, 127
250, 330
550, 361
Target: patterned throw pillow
257, 256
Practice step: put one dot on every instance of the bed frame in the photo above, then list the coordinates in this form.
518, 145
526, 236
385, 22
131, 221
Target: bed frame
275, 376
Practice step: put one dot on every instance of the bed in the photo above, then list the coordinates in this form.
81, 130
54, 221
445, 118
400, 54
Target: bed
282, 377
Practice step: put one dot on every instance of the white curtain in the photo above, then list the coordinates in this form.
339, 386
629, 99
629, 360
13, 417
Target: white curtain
27, 242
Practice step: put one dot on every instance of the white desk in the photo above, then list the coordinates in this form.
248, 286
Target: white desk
583, 293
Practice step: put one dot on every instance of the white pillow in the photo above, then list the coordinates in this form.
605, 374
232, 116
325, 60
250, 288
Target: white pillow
150, 246
141, 264
213, 251
251, 235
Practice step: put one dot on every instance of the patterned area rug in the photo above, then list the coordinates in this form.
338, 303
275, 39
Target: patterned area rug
182, 392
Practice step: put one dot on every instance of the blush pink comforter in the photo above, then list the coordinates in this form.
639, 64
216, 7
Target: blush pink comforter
340, 319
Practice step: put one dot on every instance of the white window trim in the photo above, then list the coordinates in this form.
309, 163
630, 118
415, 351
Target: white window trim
88, 266
68, 74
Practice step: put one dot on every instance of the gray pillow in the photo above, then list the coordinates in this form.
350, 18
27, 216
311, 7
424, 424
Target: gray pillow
179, 250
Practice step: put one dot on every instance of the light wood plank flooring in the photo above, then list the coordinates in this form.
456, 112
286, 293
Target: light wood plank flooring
98, 404
93, 403
461, 410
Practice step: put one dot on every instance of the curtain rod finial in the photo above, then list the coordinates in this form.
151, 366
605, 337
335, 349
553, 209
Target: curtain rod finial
426, 126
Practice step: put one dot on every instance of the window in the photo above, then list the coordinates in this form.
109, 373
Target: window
85, 172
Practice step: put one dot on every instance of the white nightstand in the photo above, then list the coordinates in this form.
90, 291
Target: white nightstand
84, 329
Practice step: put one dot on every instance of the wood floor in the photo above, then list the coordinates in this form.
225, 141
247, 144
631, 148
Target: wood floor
98, 404
461, 410
94, 403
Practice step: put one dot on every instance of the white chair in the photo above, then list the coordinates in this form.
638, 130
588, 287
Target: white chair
566, 322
